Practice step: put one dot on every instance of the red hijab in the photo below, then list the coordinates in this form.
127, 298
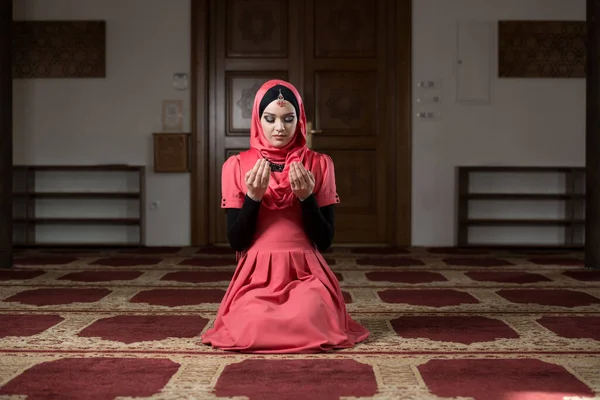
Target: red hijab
279, 194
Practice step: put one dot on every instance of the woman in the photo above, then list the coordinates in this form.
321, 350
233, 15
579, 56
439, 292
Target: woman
279, 197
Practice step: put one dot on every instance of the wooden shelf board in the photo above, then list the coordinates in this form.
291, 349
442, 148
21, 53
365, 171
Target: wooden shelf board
518, 221
521, 196
115, 195
99, 167
521, 246
78, 245
525, 169
127, 221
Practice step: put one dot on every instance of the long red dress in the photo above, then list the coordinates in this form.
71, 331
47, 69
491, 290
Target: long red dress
283, 297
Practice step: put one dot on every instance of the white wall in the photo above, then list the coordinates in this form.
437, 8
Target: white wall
111, 120
527, 122
90, 121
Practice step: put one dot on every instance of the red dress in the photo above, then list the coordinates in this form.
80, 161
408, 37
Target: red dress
283, 297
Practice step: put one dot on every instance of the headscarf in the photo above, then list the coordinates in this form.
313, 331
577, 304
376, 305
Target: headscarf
279, 194
296, 148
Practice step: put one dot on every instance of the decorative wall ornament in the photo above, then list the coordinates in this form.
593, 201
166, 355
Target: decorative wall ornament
541, 49
172, 115
171, 152
59, 49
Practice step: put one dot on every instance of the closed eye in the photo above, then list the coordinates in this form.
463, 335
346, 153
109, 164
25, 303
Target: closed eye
288, 119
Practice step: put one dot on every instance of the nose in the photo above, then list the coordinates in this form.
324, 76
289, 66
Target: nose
279, 126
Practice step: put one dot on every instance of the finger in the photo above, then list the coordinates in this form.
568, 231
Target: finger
293, 174
258, 174
257, 166
301, 175
266, 174
250, 175
305, 173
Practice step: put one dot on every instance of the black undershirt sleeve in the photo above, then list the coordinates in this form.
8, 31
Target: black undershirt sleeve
318, 223
241, 224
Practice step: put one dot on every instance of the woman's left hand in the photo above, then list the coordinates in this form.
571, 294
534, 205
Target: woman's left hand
301, 181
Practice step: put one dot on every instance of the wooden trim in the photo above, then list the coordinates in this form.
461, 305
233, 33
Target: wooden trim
199, 123
402, 126
216, 131
6, 135
592, 139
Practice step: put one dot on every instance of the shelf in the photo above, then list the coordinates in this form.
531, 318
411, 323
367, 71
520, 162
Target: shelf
520, 207
75, 206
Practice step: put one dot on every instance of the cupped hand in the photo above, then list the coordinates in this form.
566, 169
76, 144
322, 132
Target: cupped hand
257, 179
301, 181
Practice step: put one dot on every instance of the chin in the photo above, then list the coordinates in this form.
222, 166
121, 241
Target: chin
279, 144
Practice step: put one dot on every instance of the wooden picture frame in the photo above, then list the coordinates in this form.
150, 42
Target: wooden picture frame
171, 152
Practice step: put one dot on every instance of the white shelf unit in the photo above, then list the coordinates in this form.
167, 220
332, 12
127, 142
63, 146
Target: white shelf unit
72, 206
521, 207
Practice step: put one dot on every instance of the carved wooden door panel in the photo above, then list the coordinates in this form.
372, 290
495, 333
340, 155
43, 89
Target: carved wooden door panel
346, 90
335, 53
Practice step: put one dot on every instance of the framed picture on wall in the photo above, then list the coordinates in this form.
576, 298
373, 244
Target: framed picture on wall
172, 115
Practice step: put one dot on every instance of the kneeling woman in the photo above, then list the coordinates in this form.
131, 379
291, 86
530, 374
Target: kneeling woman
279, 197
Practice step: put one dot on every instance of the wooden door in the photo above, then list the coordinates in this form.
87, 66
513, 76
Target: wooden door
347, 88
343, 58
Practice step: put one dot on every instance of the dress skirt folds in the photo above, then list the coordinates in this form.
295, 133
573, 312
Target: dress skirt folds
283, 297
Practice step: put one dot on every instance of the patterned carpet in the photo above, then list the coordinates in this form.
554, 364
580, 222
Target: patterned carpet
89, 324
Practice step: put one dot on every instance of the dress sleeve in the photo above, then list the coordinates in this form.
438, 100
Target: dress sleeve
232, 184
325, 188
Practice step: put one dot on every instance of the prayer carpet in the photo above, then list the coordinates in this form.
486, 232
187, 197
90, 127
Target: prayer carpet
445, 324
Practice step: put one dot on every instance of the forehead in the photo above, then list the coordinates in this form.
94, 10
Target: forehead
276, 109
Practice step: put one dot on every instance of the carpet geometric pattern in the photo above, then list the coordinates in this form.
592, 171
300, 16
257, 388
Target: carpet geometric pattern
445, 324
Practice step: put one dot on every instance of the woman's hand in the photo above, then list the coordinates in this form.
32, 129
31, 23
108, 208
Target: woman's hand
257, 179
301, 181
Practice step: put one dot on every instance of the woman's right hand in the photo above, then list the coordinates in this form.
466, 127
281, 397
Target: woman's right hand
257, 179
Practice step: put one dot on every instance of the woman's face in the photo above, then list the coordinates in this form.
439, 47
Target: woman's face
279, 123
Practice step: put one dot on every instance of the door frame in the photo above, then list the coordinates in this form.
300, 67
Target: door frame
399, 51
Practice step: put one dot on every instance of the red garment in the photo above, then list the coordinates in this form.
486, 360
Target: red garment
283, 297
